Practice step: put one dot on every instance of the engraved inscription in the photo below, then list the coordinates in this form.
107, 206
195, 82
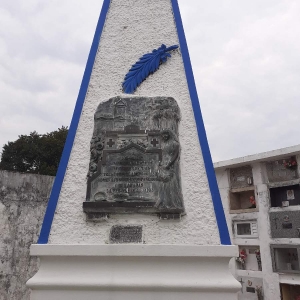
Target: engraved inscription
125, 234
127, 176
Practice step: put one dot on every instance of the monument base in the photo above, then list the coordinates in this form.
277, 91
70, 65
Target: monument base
135, 272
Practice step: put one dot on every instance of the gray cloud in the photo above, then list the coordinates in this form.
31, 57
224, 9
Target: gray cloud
245, 58
43, 49
246, 64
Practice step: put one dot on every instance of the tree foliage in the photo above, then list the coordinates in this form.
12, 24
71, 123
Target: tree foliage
34, 153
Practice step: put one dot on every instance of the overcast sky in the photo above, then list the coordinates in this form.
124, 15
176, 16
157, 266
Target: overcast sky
245, 57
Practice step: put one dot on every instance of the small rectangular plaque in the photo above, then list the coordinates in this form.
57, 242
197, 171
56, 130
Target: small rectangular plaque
125, 234
250, 289
240, 178
287, 225
285, 203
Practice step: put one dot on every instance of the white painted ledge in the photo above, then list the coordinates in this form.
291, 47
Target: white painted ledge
264, 156
133, 250
133, 272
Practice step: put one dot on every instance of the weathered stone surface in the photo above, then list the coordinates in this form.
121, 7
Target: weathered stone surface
277, 171
23, 199
240, 176
135, 154
285, 224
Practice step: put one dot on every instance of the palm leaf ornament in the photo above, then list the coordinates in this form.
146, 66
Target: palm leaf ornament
146, 65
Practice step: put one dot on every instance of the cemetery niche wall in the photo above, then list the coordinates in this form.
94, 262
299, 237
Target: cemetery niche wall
283, 182
285, 258
134, 159
242, 191
251, 288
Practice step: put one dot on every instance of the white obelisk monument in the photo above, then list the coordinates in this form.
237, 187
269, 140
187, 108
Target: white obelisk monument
135, 212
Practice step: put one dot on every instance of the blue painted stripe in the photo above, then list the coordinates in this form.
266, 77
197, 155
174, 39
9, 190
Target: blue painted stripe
48, 219
212, 181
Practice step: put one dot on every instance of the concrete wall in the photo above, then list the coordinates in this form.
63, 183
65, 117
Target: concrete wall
23, 199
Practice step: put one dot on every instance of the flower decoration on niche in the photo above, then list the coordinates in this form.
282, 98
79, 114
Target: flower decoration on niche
259, 292
252, 202
242, 258
258, 258
291, 163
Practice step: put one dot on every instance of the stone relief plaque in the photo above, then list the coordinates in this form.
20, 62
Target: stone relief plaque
134, 158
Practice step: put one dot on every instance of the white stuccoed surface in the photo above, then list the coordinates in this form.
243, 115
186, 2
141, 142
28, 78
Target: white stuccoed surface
131, 30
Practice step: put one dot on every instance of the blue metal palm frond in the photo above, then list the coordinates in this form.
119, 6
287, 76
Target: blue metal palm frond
147, 65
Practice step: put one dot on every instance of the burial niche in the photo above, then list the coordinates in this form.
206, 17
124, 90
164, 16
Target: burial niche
134, 159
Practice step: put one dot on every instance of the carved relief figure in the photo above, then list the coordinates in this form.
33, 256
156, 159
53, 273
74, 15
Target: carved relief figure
96, 148
165, 114
169, 191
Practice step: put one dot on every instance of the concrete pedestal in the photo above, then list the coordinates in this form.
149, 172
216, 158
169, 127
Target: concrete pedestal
135, 272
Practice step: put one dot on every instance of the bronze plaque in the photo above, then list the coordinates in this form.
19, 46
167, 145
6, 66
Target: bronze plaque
135, 152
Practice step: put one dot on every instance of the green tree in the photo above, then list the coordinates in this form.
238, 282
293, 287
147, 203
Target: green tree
35, 153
